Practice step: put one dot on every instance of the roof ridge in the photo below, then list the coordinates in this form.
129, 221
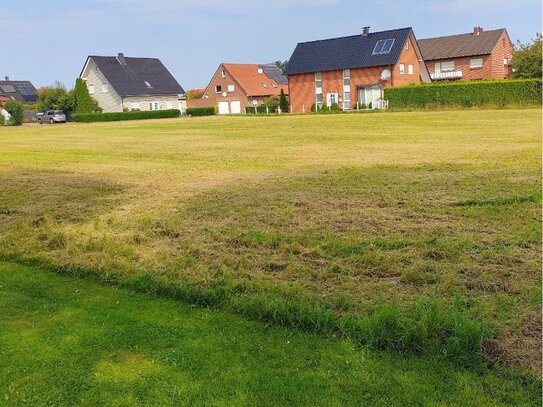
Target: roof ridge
460, 35
115, 56
355, 35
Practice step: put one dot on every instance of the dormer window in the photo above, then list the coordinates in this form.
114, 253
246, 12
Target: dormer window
147, 84
383, 46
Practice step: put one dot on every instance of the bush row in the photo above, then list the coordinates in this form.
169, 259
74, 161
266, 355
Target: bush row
112, 117
201, 111
428, 326
466, 94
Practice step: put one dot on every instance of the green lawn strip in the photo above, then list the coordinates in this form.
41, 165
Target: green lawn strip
429, 326
66, 341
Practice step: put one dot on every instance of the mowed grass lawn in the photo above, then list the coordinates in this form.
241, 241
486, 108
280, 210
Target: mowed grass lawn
69, 342
353, 212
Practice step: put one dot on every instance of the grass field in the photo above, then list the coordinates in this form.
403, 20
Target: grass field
65, 341
349, 212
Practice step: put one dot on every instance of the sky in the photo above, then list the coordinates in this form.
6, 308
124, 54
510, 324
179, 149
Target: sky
49, 41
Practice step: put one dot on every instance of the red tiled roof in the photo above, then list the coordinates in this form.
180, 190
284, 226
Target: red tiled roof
248, 76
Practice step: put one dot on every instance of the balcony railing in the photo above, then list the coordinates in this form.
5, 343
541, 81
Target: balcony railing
446, 75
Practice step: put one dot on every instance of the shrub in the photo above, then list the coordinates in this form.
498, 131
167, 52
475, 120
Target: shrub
466, 94
84, 103
56, 98
111, 117
260, 109
283, 102
201, 111
16, 110
2, 120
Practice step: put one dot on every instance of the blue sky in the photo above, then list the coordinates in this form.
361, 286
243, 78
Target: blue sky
45, 43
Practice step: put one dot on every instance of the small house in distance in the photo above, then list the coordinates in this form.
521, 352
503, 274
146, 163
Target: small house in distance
22, 91
235, 87
476, 55
354, 69
124, 83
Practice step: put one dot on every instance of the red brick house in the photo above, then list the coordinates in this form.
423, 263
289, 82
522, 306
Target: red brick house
476, 55
353, 69
235, 87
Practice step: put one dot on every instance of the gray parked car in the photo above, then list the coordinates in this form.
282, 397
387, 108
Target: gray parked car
52, 117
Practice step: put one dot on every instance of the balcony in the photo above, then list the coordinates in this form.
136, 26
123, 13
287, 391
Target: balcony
446, 75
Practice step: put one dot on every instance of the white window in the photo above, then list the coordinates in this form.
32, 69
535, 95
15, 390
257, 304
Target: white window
274, 85
154, 106
407, 44
410, 69
402, 69
505, 61
218, 89
169, 105
105, 88
346, 89
447, 66
264, 85
223, 74
231, 88
91, 89
134, 106
476, 63
318, 88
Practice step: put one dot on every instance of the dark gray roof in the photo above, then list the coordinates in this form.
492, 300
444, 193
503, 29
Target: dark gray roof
355, 51
275, 73
23, 91
461, 45
129, 79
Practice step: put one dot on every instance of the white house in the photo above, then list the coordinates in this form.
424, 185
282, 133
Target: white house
123, 84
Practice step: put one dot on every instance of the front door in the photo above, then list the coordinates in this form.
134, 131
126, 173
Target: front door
331, 98
369, 94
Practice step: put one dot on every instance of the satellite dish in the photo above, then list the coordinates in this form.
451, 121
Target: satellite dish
260, 71
224, 94
385, 75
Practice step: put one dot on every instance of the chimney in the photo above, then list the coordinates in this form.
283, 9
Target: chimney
120, 58
7, 78
365, 30
477, 30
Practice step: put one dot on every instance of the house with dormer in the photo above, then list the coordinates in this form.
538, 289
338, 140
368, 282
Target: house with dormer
354, 69
120, 83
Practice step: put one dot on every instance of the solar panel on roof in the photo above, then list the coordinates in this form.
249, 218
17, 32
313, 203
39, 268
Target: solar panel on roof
383, 46
8, 89
274, 73
25, 88
30, 98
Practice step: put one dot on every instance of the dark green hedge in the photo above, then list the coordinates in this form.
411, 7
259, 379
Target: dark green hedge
466, 94
201, 111
112, 117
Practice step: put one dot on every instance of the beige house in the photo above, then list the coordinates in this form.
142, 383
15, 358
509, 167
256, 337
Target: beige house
128, 84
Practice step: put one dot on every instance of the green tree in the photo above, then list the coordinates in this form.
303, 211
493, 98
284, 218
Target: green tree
16, 111
280, 64
84, 103
55, 97
283, 102
272, 103
527, 60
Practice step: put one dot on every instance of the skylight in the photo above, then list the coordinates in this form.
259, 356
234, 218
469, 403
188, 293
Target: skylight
383, 46
148, 84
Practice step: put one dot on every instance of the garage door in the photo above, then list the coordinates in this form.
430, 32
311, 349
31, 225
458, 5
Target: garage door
223, 108
235, 107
